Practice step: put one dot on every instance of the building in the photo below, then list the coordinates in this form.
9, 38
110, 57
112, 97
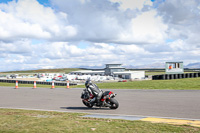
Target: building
111, 68
130, 75
174, 68
114, 70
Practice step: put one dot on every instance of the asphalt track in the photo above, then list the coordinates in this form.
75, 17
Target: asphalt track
181, 104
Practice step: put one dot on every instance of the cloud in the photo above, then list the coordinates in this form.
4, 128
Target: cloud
62, 54
74, 33
104, 21
18, 47
143, 32
94, 21
29, 19
182, 18
133, 4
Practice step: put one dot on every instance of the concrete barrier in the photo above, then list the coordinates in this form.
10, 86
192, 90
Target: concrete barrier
175, 76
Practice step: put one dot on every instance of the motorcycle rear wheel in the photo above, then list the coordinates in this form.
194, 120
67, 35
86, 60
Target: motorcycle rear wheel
114, 103
87, 104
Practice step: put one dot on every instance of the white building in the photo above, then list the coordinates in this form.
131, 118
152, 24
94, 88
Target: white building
111, 68
49, 75
114, 70
130, 75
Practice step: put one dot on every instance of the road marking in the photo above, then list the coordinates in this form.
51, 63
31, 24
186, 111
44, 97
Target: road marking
132, 118
173, 121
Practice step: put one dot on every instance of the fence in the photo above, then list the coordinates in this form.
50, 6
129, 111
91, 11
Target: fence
175, 76
37, 82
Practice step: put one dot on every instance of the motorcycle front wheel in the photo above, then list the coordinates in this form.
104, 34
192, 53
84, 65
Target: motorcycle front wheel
87, 104
114, 103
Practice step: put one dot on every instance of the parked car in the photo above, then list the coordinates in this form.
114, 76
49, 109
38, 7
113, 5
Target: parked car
63, 79
57, 79
49, 80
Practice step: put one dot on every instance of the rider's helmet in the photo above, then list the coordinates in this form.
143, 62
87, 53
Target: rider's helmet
88, 82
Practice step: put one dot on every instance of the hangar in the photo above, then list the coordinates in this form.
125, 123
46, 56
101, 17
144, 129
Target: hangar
130, 75
111, 68
114, 70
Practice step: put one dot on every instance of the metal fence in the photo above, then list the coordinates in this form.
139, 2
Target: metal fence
175, 76
37, 82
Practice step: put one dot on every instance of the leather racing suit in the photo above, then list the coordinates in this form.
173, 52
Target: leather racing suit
94, 89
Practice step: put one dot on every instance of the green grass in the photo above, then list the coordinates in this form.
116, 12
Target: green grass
21, 121
154, 72
162, 72
177, 84
28, 85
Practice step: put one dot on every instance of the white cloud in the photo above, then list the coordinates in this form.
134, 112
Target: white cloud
18, 47
29, 19
103, 21
182, 18
145, 28
133, 4
179, 45
114, 31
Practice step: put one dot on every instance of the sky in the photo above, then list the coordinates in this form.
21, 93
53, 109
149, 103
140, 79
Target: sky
43, 34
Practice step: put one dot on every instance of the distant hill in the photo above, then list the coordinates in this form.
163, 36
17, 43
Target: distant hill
193, 65
162, 65
154, 65
92, 67
147, 66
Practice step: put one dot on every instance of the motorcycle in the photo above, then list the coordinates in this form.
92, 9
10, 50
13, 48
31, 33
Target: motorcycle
107, 100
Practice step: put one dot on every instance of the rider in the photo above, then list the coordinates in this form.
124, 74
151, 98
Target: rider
94, 89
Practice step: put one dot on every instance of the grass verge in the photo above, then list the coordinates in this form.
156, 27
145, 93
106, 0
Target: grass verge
25, 85
175, 84
41, 121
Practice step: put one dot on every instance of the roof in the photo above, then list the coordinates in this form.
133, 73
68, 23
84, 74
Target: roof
117, 67
175, 62
113, 64
87, 71
127, 72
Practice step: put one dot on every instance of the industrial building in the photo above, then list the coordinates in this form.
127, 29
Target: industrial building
130, 74
111, 68
114, 70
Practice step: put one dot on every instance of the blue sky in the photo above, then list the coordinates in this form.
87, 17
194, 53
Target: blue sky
44, 2
5, 1
40, 1
75, 33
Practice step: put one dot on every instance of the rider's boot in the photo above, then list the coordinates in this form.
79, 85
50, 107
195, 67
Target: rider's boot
92, 101
106, 104
98, 102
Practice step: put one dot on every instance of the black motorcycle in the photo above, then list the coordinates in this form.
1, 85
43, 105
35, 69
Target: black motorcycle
107, 100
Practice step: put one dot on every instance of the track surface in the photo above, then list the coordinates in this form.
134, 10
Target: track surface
158, 103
